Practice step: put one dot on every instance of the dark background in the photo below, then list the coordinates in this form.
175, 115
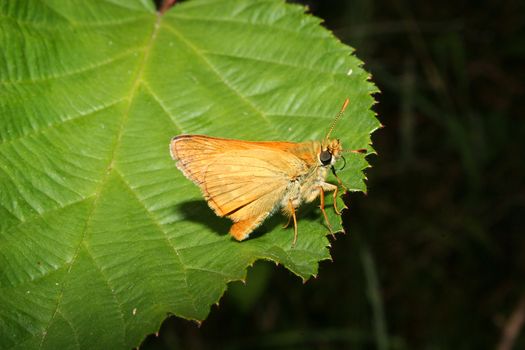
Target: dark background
435, 255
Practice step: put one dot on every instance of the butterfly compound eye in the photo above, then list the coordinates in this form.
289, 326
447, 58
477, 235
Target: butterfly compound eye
325, 157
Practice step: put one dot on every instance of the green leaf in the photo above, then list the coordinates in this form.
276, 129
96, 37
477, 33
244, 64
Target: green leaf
100, 235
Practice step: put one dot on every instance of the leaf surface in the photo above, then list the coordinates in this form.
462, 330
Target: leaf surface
100, 235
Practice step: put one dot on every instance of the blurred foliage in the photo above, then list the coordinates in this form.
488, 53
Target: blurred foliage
434, 258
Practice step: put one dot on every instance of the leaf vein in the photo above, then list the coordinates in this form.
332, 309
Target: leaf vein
112, 291
168, 241
245, 23
69, 73
81, 115
163, 106
200, 54
330, 74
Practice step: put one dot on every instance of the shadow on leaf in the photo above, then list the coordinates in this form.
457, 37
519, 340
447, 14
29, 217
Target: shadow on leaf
199, 212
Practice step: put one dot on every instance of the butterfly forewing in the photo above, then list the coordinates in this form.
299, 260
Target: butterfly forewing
242, 180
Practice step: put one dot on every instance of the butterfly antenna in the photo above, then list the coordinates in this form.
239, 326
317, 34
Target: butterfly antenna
337, 118
359, 150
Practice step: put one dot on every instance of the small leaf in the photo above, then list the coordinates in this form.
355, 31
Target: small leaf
100, 235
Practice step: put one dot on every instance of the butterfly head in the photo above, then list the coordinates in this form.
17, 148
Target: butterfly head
330, 152
331, 148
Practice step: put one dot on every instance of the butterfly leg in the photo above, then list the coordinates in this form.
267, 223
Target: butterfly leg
336, 190
288, 222
338, 179
321, 206
329, 187
292, 211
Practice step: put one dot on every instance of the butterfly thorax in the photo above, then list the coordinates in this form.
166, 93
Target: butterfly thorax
318, 157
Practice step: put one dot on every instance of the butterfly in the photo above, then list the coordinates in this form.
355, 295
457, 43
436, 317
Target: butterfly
248, 181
